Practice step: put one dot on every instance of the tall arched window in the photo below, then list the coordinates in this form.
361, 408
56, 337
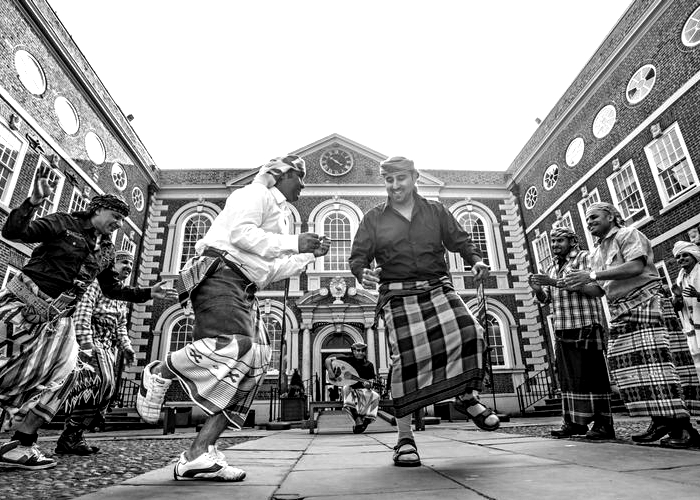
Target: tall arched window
474, 224
181, 333
336, 226
495, 333
194, 228
274, 332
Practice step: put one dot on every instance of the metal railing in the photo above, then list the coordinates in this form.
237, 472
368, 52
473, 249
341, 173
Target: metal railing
534, 389
310, 391
126, 394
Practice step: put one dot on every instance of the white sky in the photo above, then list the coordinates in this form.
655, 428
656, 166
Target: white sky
231, 83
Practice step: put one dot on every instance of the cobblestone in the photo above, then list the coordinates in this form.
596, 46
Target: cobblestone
118, 460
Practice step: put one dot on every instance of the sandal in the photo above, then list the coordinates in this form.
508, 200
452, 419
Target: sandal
462, 406
399, 453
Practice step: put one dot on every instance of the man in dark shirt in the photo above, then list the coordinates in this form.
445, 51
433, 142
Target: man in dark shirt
38, 350
359, 400
436, 344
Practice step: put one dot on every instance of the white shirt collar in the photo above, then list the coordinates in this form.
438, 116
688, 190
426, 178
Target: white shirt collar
277, 195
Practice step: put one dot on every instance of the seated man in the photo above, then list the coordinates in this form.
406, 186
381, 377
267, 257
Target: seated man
359, 400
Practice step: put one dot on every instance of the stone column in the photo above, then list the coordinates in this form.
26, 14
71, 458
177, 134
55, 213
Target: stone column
383, 357
306, 355
371, 354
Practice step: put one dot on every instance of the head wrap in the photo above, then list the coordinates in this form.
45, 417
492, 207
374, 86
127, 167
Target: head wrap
559, 230
108, 201
359, 346
123, 254
610, 209
686, 247
396, 164
271, 171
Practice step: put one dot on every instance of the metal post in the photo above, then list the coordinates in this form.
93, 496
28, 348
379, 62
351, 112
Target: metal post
283, 343
483, 319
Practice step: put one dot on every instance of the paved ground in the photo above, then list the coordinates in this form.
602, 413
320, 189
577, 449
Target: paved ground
459, 462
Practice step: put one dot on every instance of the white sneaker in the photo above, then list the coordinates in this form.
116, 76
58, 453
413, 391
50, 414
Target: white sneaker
13, 455
209, 466
149, 400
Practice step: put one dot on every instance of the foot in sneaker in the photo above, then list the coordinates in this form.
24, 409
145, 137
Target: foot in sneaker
149, 400
209, 466
14, 455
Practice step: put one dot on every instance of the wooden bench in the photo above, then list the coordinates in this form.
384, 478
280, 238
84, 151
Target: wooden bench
170, 409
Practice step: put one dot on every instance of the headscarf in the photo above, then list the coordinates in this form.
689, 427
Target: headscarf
610, 209
561, 230
271, 171
359, 346
396, 164
123, 255
108, 201
686, 247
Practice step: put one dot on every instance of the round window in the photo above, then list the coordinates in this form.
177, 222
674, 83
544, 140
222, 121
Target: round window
95, 148
641, 83
691, 29
604, 121
138, 198
30, 73
574, 152
67, 116
550, 178
530, 197
119, 176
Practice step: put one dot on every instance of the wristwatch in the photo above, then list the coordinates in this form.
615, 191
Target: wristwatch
593, 276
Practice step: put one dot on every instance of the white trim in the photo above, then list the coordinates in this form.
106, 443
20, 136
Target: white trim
58, 190
538, 261
176, 263
318, 216
614, 193
6, 197
10, 272
662, 264
496, 258
582, 214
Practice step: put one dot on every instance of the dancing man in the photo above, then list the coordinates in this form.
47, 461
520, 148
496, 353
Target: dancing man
246, 248
436, 343
36, 307
101, 332
360, 402
580, 340
686, 296
647, 353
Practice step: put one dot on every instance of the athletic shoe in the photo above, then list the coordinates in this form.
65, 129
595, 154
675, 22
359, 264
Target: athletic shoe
14, 455
149, 400
209, 466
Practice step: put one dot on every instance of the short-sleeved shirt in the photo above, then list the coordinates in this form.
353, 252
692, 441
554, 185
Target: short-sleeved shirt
364, 368
620, 245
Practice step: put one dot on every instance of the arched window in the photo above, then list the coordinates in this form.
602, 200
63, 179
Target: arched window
181, 333
474, 224
496, 343
336, 226
274, 332
193, 230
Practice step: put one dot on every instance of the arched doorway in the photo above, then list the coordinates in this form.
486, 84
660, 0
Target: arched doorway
333, 345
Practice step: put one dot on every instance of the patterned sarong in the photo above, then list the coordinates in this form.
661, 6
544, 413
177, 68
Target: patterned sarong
36, 363
649, 358
436, 344
223, 367
365, 401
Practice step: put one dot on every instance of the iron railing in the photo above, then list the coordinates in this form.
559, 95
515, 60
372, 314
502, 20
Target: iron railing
534, 389
126, 394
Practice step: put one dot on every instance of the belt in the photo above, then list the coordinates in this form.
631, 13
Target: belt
215, 252
41, 307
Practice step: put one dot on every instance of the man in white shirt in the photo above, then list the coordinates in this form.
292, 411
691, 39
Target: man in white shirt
686, 295
247, 247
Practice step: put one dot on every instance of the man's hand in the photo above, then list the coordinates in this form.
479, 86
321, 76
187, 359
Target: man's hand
129, 356
308, 242
43, 187
370, 277
159, 291
323, 249
367, 385
576, 279
480, 270
690, 291
676, 290
535, 281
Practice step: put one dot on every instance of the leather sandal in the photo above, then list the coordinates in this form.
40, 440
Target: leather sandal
399, 453
462, 405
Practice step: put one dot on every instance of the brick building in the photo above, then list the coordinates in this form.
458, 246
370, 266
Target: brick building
625, 131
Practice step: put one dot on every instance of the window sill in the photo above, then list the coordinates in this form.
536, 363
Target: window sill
672, 205
642, 222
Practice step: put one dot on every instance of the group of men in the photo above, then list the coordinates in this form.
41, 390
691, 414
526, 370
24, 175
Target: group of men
652, 358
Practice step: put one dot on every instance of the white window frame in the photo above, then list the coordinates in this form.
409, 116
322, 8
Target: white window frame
129, 245
48, 207
635, 218
78, 201
10, 273
536, 244
494, 262
171, 327
6, 194
582, 213
662, 265
567, 221
666, 200
177, 264
352, 230
319, 219
505, 343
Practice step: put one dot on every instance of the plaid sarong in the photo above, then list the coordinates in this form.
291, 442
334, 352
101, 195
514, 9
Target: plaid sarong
649, 358
223, 367
436, 344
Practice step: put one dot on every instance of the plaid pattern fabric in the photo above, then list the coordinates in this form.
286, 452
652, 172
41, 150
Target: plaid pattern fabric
98, 318
584, 408
573, 309
436, 345
365, 401
649, 358
36, 363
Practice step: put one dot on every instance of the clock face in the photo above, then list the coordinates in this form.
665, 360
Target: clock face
336, 162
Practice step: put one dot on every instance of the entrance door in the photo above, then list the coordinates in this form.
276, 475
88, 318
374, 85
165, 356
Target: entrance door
334, 345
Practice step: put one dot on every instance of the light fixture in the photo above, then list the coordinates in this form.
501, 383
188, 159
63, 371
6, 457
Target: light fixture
14, 122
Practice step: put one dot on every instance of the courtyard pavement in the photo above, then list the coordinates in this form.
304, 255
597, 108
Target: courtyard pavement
459, 462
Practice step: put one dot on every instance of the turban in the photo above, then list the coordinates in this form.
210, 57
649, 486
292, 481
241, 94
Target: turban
686, 247
359, 346
108, 201
396, 164
272, 170
564, 231
123, 254
610, 209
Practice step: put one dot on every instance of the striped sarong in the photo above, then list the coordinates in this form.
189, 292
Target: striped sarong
223, 367
36, 363
436, 343
649, 358
365, 401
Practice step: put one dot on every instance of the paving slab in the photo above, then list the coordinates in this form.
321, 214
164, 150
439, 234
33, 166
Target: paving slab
189, 490
457, 493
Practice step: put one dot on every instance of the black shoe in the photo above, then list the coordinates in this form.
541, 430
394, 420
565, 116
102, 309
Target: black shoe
656, 431
601, 432
73, 443
569, 430
680, 440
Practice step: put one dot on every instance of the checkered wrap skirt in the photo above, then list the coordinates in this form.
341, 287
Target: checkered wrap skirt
436, 344
221, 370
649, 358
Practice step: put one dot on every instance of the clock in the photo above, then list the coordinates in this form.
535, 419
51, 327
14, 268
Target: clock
336, 162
